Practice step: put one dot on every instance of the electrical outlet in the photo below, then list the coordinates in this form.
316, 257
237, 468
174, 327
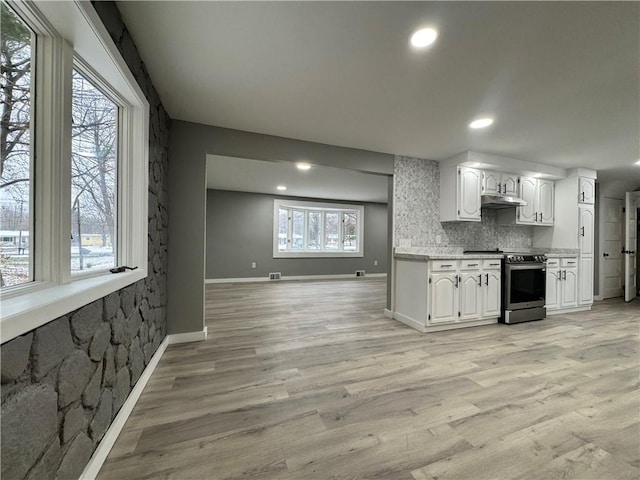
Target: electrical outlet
438, 239
375, 262
253, 264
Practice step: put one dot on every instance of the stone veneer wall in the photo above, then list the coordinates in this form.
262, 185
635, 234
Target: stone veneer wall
63, 383
416, 202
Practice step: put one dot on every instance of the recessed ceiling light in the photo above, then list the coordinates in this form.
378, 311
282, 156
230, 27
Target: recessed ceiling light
424, 37
281, 187
638, 163
481, 123
303, 165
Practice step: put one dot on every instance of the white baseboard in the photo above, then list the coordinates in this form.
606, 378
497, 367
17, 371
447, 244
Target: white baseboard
388, 313
188, 337
583, 308
294, 278
598, 298
106, 444
410, 322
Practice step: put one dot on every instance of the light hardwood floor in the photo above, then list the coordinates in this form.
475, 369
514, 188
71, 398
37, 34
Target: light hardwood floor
303, 380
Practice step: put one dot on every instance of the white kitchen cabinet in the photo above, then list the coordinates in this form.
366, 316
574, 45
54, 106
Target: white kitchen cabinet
539, 195
444, 298
562, 283
585, 275
469, 294
586, 190
585, 229
460, 190
491, 289
497, 183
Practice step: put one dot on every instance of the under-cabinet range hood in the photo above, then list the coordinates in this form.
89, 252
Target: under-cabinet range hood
501, 201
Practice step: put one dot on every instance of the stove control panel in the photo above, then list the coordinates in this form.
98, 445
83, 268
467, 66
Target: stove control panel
525, 258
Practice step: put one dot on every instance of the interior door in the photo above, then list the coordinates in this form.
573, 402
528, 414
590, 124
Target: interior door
612, 265
630, 245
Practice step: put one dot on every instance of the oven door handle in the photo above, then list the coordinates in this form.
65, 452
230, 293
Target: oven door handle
529, 266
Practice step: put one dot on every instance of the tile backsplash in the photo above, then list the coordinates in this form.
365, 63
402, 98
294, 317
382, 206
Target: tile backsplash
416, 202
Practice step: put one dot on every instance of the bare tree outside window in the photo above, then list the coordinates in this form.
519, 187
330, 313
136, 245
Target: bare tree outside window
17, 51
94, 150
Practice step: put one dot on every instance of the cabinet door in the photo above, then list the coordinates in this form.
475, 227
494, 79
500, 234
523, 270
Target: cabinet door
569, 288
586, 190
444, 298
491, 294
526, 215
509, 185
470, 290
469, 184
490, 183
585, 229
585, 275
545, 202
553, 288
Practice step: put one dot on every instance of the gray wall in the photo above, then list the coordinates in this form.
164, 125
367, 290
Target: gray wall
63, 383
189, 145
240, 231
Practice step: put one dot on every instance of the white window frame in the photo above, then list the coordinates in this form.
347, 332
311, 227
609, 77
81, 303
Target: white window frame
65, 30
324, 207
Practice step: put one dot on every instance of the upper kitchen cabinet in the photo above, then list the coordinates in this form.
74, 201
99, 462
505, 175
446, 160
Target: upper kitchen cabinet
496, 183
586, 190
539, 195
460, 189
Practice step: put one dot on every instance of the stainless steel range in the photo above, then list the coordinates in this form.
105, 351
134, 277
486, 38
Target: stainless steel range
523, 288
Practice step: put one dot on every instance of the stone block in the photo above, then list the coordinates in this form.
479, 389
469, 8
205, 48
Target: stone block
85, 321
73, 377
29, 424
148, 352
118, 328
128, 299
101, 340
14, 356
121, 389
46, 467
109, 366
133, 325
51, 344
136, 361
111, 305
75, 458
122, 354
73, 422
91, 394
102, 418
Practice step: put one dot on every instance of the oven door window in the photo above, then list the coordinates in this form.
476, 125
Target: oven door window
527, 285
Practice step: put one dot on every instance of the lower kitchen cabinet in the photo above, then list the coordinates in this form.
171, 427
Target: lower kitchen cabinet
562, 283
450, 293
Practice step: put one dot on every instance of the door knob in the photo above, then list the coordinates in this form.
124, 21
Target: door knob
605, 254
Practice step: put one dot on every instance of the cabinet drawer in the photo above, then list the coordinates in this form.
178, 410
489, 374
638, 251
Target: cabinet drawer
493, 264
553, 262
444, 265
470, 264
569, 262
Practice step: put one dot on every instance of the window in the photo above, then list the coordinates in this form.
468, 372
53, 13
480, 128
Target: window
314, 229
94, 155
16, 160
73, 193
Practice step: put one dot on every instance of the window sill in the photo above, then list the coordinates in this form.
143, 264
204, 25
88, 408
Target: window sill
23, 313
324, 254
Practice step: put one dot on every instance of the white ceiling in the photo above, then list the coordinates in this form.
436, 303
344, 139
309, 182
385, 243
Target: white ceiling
561, 78
247, 175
